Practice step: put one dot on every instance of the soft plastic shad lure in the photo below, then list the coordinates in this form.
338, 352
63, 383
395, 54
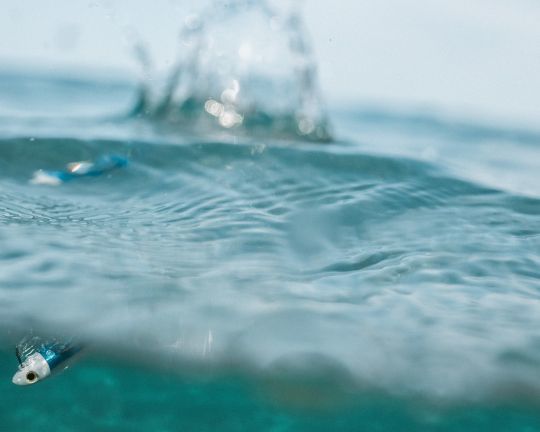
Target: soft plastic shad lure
73, 170
38, 360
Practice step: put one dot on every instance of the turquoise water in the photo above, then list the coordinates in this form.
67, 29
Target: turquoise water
263, 276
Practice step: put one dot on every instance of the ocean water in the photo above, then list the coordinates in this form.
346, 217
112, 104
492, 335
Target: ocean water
387, 280
261, 262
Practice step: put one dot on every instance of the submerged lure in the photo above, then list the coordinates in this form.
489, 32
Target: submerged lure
39, 359
100, 166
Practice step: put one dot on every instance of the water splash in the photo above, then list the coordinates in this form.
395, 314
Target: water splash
244, 67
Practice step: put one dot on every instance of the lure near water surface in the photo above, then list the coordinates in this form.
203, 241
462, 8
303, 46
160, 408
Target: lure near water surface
39, 359
100, 166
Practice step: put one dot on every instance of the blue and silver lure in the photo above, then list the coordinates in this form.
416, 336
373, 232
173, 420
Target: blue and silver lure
39, 359
73, 170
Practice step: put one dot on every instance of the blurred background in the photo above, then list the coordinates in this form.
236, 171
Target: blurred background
479, 59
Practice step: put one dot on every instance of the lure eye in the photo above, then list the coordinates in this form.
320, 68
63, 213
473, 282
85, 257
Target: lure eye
31, 377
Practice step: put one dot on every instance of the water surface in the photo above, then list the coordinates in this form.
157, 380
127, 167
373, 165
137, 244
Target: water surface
386, 280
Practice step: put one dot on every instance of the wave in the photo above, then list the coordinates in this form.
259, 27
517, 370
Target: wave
388, 268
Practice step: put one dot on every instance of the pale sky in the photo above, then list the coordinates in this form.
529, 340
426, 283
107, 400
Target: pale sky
475, 57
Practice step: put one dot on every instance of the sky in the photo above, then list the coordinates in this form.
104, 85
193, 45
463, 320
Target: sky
475, 58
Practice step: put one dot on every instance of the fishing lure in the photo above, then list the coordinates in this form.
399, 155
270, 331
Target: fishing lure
73, 170
38, 358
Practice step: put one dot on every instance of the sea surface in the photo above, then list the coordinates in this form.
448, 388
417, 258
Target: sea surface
265, 262
385, 280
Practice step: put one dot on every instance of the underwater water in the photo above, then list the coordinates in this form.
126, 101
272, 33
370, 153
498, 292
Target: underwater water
260, 263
